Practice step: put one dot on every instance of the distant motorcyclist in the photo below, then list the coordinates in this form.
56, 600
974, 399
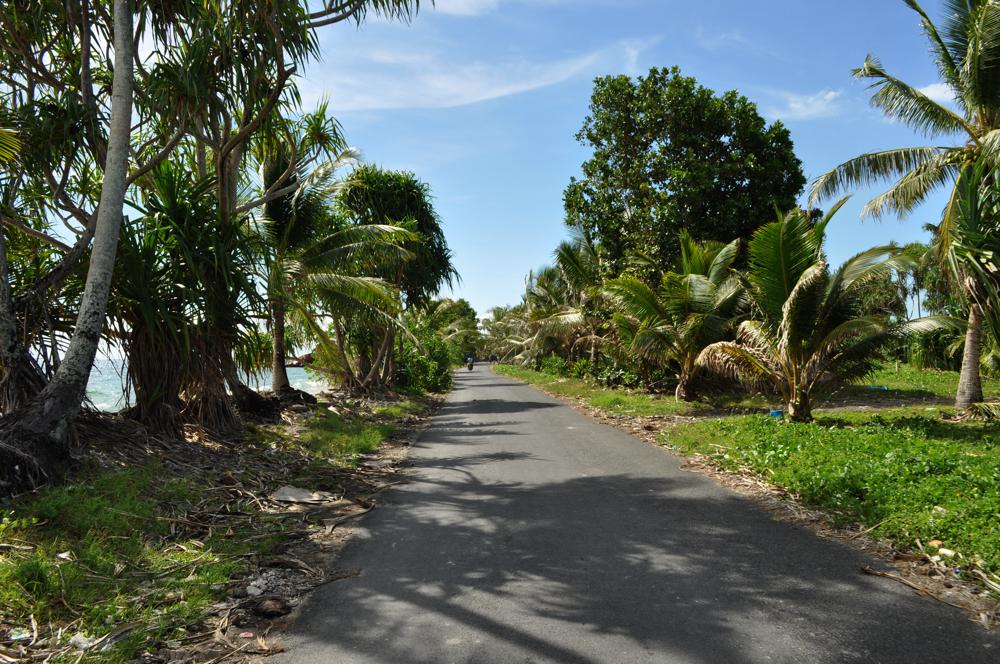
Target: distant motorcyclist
470, 361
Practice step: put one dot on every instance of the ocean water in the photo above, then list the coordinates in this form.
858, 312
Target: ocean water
107, 393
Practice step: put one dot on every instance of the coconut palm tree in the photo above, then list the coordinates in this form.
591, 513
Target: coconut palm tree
808, 334
969, 252
966, 50
288, 226
694, 307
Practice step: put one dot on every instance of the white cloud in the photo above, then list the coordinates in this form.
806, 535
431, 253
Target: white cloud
717, 40
384, 78
939, 92
822, 104
732, 40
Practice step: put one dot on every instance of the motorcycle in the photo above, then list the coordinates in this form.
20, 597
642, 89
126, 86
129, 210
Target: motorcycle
471, 364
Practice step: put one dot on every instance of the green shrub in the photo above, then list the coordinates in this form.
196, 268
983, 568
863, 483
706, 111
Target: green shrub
582, 368
931, 351
555, 366
427, 368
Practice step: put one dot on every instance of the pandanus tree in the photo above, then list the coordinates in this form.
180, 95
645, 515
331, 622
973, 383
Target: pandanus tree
33, 439
966, 50
808, 333
208, 74
692, 308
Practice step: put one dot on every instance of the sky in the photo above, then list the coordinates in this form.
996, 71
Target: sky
482, 99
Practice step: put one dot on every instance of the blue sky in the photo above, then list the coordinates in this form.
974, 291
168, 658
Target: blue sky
482, 99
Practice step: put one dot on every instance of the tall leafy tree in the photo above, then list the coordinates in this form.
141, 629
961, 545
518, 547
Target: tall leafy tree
669, 154
965, 47
208, 76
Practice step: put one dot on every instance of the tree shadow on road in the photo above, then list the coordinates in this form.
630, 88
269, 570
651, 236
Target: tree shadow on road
636, 563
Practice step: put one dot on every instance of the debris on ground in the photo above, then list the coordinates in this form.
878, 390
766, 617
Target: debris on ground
298, 508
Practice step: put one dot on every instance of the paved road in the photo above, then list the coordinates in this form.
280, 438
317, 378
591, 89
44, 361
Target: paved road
531, 534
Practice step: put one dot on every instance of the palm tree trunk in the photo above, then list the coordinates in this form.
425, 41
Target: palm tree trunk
799, 407
41, 429
684, 391
279, 374
389, 369
970, 384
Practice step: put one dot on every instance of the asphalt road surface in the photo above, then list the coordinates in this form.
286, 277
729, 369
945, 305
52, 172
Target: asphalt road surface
529, 533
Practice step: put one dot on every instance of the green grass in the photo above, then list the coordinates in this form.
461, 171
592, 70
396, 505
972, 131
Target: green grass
916, 384
909, 475
343, 441
101, 543
112, 548
902, 386
626, 402
401, 410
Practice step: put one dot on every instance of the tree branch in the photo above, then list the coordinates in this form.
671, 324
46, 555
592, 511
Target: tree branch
38, 235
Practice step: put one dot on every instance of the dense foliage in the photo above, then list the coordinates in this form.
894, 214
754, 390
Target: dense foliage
252, 241
670, 154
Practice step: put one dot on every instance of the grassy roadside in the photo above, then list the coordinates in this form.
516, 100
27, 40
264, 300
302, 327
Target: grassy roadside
885, 458
139, 553
911, 478
625, 402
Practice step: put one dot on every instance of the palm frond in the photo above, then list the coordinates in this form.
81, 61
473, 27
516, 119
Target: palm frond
10, 145
909, 105
869, 169
947, 64
913, 188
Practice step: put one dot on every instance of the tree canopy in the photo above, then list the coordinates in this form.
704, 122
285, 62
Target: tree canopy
670, 154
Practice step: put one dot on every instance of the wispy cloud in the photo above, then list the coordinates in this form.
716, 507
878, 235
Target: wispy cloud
385, 78
795, 106
939, 92
466, 7
713, 41
718, 40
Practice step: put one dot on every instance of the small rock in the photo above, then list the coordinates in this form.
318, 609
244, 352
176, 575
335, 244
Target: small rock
272, 608
254, 591
82, 642
20, 634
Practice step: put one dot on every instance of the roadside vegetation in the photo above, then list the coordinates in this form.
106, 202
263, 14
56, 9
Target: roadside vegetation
137, 560
866, 389
907, 475
165, 196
